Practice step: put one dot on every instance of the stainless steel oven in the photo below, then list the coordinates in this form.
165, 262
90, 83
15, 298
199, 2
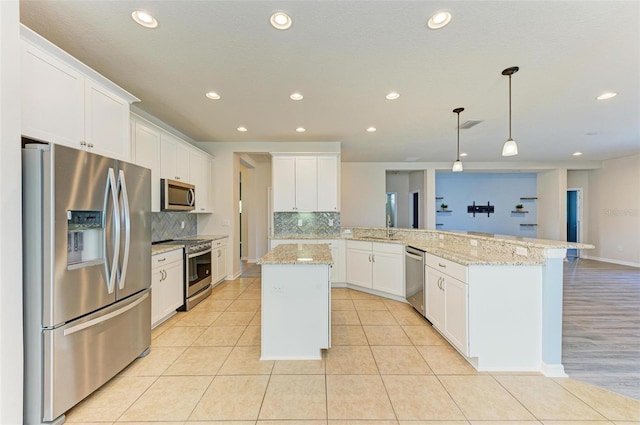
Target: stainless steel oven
197, 272
414, 274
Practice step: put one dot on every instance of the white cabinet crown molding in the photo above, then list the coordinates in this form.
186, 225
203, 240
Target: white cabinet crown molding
37, 40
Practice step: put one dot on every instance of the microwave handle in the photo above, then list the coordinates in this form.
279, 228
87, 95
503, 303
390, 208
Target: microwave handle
191, 197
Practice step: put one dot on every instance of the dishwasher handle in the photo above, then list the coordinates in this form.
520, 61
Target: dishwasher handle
413, 256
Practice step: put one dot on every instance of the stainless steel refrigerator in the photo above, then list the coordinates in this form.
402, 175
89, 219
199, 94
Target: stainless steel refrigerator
87, 274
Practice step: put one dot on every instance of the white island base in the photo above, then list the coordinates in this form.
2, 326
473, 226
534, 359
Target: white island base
296, 311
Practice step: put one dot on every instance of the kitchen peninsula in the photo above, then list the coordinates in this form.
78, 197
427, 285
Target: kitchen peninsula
296, 302
497, 299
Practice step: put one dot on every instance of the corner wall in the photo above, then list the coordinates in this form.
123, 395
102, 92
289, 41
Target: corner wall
613, 207
11, 364
552, 204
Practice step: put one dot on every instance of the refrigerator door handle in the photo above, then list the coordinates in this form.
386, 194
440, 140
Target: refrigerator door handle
122, 188
111, 271
104, 318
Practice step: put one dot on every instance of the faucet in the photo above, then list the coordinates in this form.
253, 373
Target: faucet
388, 226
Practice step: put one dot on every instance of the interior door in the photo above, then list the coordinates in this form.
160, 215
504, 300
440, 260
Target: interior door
134, 197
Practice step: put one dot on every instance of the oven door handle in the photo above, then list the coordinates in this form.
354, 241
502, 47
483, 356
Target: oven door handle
199, 253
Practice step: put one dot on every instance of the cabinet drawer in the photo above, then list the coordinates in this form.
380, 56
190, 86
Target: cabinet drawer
366, 246
218, 243
389, 248
455, 270
165, 258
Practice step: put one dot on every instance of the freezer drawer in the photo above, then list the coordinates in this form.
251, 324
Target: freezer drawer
81, 356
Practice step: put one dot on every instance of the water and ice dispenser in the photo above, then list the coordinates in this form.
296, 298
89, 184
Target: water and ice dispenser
85, 243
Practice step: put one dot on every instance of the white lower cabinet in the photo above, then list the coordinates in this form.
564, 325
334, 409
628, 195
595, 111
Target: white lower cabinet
167, 285
377, 266
219, 260
447, 300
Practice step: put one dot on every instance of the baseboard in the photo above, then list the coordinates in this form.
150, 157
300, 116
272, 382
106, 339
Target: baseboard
610, 260
553, 370
233, 277
252, 260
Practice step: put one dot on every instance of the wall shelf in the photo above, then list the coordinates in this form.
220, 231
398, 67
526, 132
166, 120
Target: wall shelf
519, 212
439, 197
444, 211
439, 224
528, 198
528, 224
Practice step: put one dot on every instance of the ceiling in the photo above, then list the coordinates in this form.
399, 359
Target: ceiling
345, 56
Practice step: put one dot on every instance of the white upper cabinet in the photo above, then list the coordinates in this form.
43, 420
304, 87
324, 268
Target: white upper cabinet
328, 172
146, 142
68, 103
283, 172
306, 178
175, 159
200, 176
52, 99
106, 122
305, 183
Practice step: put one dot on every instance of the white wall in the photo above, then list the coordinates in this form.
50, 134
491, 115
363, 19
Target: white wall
225, 181
398, 183
552, 204
10, 218
246, 210
256, 196
613, 208
363, 189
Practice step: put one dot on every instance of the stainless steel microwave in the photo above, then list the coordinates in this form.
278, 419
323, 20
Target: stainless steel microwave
177, 196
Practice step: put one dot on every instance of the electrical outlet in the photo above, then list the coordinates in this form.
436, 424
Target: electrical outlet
182, 224
474, 242
226, 222
441, 237
520, 250
330, 222
277, 288
299, 223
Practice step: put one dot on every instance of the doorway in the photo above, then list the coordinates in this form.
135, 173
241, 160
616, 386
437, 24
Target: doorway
574, 213
392, 210
414, 207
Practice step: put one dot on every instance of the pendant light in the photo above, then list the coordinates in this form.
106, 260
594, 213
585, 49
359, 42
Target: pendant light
457, 165
510, 148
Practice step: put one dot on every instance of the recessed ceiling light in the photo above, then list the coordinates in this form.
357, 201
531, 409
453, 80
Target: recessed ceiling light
463, 154
213, 95
439, 19
145, 19
301, 129
577, 153
393, 95
242, 129
281, 21
607, 95
296, 96
592, 133
371, 129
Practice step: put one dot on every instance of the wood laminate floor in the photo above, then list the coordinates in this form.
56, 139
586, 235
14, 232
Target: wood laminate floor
601, 325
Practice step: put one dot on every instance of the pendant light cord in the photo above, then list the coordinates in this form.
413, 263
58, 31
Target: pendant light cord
458, 157
509, 106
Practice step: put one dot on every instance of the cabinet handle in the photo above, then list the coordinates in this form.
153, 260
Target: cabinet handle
177, 178
442, 265
161, 259
90, 145
83, 143
219, 254
369, 257
373, 258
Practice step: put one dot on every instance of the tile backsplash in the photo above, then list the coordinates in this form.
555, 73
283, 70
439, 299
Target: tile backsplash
313, 223
168, 225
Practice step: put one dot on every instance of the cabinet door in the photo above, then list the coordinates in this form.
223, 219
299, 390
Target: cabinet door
283, 173
200, 177
328, 183
146, 141
106, 122
337, 253
359, 269
52, 99
388, 273
174, 157
456, 313
157, 303
220, 256
435, 297
173, 287
306, 183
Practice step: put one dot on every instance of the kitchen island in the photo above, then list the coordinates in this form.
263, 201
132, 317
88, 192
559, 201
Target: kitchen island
497, 299
296, 302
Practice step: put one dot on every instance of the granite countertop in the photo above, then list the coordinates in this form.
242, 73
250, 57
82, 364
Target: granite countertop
298, 254
209, 237
162, 248
305, 237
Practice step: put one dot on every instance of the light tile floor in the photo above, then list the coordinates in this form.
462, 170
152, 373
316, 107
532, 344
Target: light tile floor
387, 366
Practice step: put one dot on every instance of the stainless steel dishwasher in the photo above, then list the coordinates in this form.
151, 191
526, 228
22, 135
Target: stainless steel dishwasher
414, 273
